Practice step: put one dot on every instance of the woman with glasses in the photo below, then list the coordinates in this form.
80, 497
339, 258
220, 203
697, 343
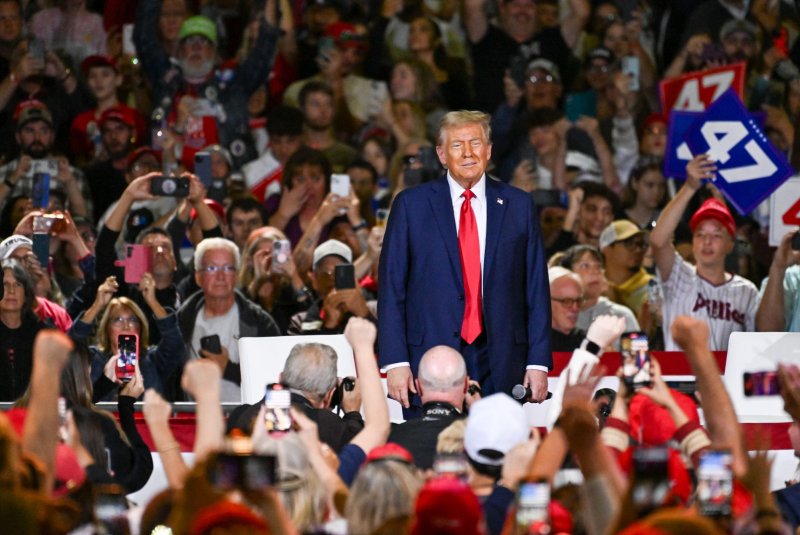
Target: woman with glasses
19, 326
124, 317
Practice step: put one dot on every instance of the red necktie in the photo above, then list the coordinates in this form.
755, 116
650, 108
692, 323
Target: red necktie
471, 268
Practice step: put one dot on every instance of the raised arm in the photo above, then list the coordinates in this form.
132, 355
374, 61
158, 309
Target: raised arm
361, 335
771, 315
698, 168
201, 379
475, 20
572, 26
156, 413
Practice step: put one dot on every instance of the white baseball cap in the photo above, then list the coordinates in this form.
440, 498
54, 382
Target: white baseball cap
495, 425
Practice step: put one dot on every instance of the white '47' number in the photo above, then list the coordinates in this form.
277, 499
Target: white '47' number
722, 137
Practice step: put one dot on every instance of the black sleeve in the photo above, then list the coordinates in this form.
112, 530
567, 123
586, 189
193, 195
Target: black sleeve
142, 465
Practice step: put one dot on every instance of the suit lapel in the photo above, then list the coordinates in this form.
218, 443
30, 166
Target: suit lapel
495, 212
442, 207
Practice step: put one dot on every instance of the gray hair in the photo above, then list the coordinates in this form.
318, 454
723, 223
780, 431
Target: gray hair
209, 244
442, 369
311, 368
382, 491
455, 119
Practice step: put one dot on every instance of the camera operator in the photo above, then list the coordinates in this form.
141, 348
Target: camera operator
442, 384
310, 374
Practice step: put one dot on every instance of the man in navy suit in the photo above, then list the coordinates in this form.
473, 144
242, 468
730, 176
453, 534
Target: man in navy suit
471, 276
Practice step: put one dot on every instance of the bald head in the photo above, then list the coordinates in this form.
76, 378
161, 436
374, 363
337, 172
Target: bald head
442, 375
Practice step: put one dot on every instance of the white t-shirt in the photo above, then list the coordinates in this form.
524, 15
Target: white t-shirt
728, 307
227, 328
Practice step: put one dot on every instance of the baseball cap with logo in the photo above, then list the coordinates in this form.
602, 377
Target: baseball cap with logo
345, 35
198, 25
12, 243
545, 65
32, 110
118, 113
495, 425
332, 247
617, 231
714, 209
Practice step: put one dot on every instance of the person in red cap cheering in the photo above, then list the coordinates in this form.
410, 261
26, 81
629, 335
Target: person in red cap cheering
704, 290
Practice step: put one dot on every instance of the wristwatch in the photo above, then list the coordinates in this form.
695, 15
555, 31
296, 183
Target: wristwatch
591, 347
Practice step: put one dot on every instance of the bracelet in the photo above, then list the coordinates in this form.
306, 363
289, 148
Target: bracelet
67, 74
360, 226
9, 184
171, 448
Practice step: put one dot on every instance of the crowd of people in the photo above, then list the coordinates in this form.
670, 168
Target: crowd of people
176, 175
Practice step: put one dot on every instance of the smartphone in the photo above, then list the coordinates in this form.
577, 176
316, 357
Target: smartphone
229, 471
276, 416
713, 52
128, 47
714, 483
202, 167
326, 45
761, 384
36, 49
111, 510
138, 260
630, 65
128, 345
40, 196
340, 185
281, 249
635, 360
344, 277
451, 465
796, 241
41, 248
650, 477
211, 344
169, 186
533, 500
381, 217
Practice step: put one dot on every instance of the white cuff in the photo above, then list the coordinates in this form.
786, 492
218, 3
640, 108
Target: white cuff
537, 367
396, 365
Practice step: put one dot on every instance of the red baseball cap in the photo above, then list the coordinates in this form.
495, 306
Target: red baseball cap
390, 452
118, 113
216, 207
345, 35
445, 506
134, 156
97, 61
714, 209
225, 513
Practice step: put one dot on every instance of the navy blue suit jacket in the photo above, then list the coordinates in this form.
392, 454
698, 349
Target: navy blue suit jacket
421, 301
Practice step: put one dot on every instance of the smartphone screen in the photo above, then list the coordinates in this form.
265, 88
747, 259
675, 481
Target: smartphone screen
344, 277
128, 345
128, 47
714, 483
41, 248
250, 472
41, 190
340, 185
651, 478
276, 416
533, 500
635, 360
761, 384
630, 66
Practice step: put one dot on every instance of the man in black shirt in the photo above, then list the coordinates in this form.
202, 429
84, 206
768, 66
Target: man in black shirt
442, 385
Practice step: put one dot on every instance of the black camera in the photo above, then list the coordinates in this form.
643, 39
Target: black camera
428, 169
349, 384
169, 186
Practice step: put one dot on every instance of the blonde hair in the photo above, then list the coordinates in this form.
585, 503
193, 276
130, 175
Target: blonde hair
451, 439
455, 119
254, 241
382, 491
103, 341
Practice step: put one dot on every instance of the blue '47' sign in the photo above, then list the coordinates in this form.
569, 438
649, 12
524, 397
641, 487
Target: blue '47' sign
748, 166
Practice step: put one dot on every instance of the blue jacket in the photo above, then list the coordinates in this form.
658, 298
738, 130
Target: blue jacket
421, 302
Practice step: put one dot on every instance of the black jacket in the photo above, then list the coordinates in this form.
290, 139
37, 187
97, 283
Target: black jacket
419, 436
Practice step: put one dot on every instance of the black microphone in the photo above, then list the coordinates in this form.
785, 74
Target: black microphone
523, 394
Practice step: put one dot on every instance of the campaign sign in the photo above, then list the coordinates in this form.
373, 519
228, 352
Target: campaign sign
748, 166
784, 210
696, 91
677, 153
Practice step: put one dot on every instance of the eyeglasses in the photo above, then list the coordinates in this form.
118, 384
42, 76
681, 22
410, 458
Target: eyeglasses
588, 266
599, 68
128, 321
546, 79
214, 269
569, 302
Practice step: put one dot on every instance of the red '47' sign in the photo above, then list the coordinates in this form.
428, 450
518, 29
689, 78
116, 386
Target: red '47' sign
696, 90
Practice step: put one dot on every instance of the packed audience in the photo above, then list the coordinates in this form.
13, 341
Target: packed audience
177, 175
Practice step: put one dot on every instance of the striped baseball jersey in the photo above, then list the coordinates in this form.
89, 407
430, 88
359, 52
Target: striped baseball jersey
728, 307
